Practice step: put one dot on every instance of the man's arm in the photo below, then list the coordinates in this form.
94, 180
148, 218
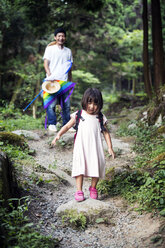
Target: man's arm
46, 66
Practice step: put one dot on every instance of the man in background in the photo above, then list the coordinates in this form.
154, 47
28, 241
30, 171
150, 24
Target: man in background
55, 58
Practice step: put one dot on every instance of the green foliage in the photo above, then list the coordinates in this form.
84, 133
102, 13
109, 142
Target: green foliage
137, 186
145, 136
83, 81
75, 219
109, 97
14, 152
145, 182
36, 179
12, 119
17, 231
100, 34
9, 111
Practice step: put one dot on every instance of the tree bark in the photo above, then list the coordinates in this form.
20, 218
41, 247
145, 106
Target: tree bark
133, 86
157, 40
34, 108
16, 92
147, 82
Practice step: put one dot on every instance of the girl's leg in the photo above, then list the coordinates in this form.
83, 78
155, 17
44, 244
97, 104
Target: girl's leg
94, 182
79, 182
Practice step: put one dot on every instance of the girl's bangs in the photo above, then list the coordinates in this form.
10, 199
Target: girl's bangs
92, 99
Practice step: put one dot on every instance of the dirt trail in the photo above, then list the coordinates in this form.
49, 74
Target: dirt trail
126, 228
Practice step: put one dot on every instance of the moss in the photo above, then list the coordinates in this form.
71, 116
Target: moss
13, 139
161, 129
75, 219
110, 172
160, 157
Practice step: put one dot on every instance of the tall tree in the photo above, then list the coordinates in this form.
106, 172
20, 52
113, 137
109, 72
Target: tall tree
147, 81
157, 40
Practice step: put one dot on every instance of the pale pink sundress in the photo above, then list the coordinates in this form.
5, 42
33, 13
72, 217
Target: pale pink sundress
88, 153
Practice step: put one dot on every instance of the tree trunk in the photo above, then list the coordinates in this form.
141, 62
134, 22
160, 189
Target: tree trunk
16, 92
8, 184
114, 84
34, 108
147, 82
133, 86
157, 40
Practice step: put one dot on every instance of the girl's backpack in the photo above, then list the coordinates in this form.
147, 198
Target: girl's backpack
78, 117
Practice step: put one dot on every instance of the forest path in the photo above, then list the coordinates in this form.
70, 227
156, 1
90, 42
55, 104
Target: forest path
126, 228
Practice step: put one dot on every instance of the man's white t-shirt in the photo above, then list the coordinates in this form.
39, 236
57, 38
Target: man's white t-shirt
59, 62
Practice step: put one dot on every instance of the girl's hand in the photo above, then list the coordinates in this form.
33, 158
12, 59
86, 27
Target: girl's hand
55, 139
111, 152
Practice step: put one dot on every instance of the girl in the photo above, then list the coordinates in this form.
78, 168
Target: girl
88, 154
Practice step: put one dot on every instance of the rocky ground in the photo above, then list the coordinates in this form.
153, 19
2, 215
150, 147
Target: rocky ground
123, 226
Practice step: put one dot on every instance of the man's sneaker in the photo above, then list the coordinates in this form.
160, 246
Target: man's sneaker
52, 128
79, 196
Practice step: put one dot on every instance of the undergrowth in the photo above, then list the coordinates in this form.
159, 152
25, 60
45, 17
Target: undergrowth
144, 183
15, 229
75, 219
13, 119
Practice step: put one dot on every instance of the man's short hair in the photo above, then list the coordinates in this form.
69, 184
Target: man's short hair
59, 30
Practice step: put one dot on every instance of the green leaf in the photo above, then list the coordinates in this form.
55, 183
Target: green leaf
161, 201
162, 213
100, 220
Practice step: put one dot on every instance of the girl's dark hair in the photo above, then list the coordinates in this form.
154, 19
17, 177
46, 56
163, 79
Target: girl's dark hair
92, 95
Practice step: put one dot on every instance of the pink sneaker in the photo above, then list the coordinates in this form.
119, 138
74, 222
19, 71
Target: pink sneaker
79, 196
93, 193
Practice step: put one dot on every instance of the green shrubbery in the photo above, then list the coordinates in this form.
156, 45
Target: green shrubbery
75, 219
15, 229
13, 119
145, 181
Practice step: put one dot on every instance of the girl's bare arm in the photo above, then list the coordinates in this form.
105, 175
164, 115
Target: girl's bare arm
108, 141
63, 130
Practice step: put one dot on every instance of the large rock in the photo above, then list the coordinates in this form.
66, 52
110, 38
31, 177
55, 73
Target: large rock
118, 146
91, 209
89, 205
27, 134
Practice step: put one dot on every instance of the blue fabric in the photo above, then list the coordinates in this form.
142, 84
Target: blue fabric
51, 110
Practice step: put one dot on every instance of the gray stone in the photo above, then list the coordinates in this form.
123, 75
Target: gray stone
27, 134
88, 207
159, 121
118, 145
132, 126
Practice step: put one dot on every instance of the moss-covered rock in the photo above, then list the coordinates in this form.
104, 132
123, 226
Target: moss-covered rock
13, 139
161, 129
79, 214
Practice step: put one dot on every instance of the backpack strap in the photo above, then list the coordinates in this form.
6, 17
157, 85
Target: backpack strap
78, 117
100, 117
